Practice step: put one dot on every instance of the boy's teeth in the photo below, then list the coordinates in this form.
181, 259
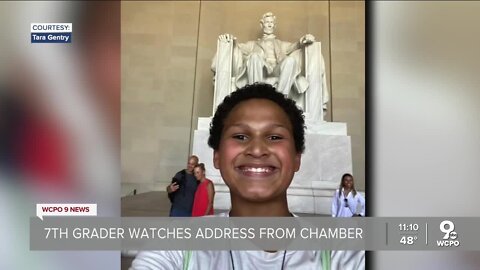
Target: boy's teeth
257, 170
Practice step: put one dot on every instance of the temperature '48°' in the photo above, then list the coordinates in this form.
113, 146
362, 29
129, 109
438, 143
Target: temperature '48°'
408, 239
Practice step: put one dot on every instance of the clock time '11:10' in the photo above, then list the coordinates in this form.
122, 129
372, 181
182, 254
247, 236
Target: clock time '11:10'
408, 227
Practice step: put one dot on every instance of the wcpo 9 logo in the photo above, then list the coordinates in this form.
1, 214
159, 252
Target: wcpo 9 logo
450, 238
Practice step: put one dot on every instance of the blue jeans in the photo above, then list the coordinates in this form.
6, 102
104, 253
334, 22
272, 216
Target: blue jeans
179, 213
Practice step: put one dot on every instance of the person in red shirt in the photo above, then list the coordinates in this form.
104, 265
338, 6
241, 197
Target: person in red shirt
203, 203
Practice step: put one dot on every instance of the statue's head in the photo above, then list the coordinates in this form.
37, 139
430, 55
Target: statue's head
268, 23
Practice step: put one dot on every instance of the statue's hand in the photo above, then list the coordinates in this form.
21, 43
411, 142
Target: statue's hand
226, 38
307, 39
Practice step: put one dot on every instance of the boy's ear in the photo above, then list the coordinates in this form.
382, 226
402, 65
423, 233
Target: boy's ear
216, 160
298, 161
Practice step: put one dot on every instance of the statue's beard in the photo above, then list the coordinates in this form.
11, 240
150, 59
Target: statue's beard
268, 36
268, 31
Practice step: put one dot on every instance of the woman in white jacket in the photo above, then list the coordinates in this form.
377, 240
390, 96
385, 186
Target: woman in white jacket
347, 202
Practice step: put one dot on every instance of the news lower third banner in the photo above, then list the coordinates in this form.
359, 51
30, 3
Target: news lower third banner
222, 233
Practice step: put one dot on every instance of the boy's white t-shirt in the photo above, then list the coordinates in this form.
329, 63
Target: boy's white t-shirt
251, 259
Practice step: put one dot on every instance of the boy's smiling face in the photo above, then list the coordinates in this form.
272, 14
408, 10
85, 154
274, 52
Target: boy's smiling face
256, 156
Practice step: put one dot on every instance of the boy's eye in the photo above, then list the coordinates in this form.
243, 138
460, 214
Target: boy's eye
275, 137
240, 137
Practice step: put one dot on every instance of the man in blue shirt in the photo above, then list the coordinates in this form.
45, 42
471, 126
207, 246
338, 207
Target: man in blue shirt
181, 191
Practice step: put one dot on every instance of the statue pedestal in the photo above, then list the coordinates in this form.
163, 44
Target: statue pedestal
327, 157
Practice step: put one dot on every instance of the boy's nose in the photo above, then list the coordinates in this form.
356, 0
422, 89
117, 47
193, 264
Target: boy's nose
257, 148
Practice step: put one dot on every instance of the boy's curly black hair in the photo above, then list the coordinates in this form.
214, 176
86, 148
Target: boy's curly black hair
262, 91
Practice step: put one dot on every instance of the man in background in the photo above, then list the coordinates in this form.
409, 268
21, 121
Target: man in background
181, 191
